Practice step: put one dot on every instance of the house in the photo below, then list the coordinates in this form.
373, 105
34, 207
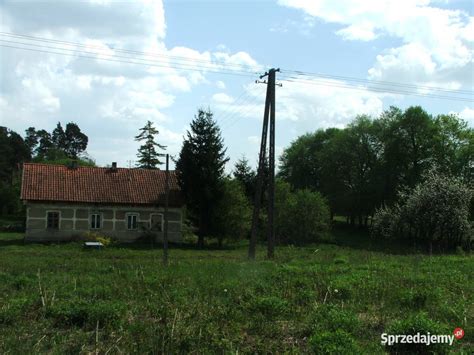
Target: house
64, 202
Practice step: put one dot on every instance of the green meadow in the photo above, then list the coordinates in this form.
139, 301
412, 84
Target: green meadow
336, 297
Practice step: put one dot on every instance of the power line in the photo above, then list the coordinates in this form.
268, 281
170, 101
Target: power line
112, 59
141, 53
145, 61
238, 110
240, 67
140, 60
375, 82
251, 98
243, 113
375, 89
311, 78
224, 114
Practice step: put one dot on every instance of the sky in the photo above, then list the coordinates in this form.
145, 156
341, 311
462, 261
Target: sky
425, 47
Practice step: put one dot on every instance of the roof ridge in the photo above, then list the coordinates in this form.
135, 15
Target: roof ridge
94, 167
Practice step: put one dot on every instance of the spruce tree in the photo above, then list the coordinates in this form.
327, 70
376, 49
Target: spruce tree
200, 170
244, 173
148, 156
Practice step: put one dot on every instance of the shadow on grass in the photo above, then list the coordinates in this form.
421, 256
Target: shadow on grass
11, 240
360, 239
179, 246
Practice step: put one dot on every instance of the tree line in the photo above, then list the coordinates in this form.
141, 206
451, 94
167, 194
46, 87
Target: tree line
219, 205
363, 166
406, 174
367, 172
56, 147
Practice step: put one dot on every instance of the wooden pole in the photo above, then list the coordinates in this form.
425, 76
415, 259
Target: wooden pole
271, 162
260, 177
165, 229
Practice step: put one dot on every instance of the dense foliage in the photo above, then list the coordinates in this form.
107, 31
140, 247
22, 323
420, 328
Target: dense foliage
148, 156
302, 216
59, 147
361, 167
234, 212
436, 210
244, 173
200, 169
59, 144
13, 152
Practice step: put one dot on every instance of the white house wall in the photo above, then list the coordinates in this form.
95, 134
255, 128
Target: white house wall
74, 221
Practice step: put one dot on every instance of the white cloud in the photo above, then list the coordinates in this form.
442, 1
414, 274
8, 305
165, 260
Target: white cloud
440, 38
220, 84
361, 31
108, 99
410, 62
467, 114
316, 106
222, 98
306, 105
42, 97
239, 60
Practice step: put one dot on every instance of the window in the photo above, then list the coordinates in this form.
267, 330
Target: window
132, 221
53, 220
96, 221
157, 222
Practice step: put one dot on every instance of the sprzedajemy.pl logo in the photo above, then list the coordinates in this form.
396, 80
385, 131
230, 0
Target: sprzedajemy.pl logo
418, 338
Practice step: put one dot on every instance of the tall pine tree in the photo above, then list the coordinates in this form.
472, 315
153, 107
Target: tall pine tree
200, 170
75, 141
148, 156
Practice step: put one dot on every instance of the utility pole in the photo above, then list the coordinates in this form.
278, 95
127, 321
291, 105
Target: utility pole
269, 115
165, 229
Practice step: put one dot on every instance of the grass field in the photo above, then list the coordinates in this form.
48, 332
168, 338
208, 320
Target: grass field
335, 298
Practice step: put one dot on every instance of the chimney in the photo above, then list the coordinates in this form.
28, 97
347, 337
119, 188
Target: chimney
114, 166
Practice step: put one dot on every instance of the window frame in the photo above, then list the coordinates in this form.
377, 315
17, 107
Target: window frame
136, 215
58, 220
162, 224
91, 218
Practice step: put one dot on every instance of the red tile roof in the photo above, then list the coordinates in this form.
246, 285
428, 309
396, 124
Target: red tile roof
59, 183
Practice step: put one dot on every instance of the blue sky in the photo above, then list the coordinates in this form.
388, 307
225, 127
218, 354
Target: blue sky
413, 42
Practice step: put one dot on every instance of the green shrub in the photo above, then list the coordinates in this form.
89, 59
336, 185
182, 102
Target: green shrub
87, 313
301, 216
269, 306
328, 317
418, 323
189, 230
336, 342
341, 260
13, 310
415, 299
460, 251
22, 281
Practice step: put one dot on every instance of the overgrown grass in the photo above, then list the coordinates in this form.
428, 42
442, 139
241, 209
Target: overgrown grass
323, 298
